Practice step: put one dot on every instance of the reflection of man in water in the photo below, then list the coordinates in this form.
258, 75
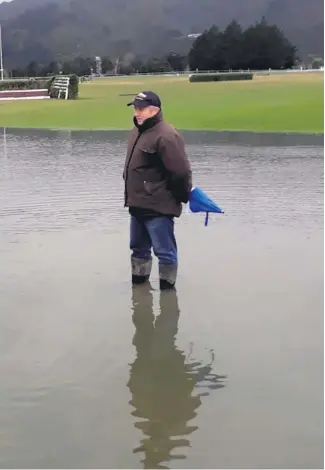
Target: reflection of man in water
161, 382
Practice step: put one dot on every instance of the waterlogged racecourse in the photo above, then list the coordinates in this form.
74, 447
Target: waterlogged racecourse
225, 373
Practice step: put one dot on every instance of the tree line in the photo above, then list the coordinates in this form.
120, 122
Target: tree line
87, 66
259, 47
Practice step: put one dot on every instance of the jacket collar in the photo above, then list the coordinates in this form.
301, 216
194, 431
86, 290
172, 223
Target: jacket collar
149, 123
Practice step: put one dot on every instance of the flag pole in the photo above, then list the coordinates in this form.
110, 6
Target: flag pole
1, 55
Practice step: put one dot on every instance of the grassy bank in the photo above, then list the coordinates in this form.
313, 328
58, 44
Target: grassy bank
279, 103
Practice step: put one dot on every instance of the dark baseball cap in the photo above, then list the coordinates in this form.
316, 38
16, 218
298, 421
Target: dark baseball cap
146, 98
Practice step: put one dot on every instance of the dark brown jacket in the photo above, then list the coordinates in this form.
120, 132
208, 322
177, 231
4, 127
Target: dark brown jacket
157, 171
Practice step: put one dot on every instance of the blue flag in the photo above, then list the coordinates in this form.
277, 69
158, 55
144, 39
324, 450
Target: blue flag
200, 202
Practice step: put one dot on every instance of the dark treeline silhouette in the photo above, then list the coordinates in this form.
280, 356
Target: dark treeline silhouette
259, 47
46, 30
86, 66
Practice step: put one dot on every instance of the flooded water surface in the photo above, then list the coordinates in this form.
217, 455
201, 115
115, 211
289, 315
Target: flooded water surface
227, 372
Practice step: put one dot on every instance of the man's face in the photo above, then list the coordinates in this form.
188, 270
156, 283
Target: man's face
142, 114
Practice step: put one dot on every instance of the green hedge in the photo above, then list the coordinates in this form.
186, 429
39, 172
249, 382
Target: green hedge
220, 77
31, 84
73, 88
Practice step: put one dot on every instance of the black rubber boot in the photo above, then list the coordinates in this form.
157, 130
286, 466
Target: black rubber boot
139, 279
167, 276
141, 269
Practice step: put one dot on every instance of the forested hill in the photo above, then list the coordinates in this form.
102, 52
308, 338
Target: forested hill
43, 30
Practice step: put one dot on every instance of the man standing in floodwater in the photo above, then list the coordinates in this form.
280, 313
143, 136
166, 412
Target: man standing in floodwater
158, 179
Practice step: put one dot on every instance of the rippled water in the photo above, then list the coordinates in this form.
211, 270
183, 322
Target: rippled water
225, 373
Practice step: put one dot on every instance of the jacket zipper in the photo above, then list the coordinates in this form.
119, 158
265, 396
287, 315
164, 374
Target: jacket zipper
127, 170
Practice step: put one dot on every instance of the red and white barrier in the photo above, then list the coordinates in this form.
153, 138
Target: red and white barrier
12, 95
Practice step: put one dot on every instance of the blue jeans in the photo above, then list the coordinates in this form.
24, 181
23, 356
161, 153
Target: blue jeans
156, 233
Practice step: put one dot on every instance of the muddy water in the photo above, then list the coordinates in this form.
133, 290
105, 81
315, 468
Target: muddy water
225, 373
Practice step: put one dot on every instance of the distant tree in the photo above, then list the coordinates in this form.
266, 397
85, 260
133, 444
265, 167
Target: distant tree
33, 69
265, 46
107, 65
18, 72
261, 46
177, 61
233, 46
202, 54
138, 66
156, 65
126, 69
53, 68
79, 65
317, 62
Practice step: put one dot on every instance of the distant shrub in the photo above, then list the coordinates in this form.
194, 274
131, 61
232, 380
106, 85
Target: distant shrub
220, 77
74, 87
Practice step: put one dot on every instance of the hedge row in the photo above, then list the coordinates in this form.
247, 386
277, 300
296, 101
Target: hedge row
31, 84
220, 77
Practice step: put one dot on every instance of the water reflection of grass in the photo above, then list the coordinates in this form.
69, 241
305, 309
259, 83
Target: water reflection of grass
288, 102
